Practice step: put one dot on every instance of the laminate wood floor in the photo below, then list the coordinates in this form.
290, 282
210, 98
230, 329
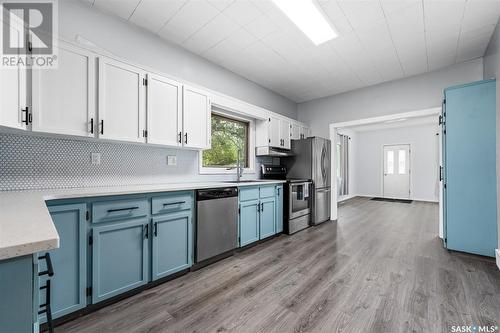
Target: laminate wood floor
380, 268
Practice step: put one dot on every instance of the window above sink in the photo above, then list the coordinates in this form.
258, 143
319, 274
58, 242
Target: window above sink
230, 133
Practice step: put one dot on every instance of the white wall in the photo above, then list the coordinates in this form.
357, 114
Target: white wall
492, 69
423, 160
138, 45
414, 93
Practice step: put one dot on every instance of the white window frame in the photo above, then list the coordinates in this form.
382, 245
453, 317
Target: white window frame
251, 146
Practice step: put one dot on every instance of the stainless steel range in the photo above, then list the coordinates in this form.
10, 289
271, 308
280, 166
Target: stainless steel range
297, 198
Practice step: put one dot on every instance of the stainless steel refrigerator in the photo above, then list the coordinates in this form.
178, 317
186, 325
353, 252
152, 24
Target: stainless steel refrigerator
311, 160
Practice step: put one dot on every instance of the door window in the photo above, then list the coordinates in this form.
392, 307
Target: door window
402, 162
390, 162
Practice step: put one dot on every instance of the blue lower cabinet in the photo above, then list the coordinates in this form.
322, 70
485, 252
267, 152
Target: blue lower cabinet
119, 257
16, 295
249, 222
172, 243
279, 209
267, 217
69, 262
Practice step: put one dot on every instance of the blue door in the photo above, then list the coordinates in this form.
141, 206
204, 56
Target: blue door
69, 261
267, 217
249, 222
470, 168
279, 209
172, 243
119, 258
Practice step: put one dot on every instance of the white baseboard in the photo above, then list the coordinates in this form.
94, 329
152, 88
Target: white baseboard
497, 251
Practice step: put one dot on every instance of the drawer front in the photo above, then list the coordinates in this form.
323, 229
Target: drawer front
171, 202
249, 193
108, 211
267, 191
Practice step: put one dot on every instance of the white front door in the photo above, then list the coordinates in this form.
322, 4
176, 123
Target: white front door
397, 171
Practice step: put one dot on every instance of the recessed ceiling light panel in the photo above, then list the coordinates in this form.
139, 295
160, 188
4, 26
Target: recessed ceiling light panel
308, 18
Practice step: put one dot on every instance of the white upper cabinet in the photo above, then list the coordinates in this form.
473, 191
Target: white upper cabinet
295, 131
164, 111
14, 110
122, 104
285, 134
274, 128
63, 98
196, 118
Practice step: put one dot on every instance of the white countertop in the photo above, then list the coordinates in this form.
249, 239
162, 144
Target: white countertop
26, 226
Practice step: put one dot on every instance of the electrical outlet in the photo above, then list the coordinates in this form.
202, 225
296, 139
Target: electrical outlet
171, 160
95, 158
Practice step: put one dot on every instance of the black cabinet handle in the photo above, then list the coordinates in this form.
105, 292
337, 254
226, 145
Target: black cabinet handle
91, 125
146, 231
185, 138
258, 207
156, 229
262, 207
174, 203
26, 116
50, 269
102, 126
46, 306
180, 137
121, 209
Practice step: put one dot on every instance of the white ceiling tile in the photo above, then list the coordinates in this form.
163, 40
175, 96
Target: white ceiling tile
332, 9
362, 13
220, 4
242, 12
153, 14
212, 33
189, 19
480, 13
122, 8
261, 27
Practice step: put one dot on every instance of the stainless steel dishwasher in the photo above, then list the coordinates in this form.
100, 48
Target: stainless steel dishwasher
217, 222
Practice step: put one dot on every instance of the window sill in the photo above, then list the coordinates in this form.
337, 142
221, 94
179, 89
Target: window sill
223, 171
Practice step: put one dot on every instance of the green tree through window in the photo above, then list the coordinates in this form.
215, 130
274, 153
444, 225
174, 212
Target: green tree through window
228, 135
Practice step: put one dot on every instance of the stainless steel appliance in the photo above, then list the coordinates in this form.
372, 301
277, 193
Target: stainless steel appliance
311, 160
297, 198
217, 223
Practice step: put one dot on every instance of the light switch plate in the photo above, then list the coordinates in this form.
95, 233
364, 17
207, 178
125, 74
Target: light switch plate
171, 160
95, 158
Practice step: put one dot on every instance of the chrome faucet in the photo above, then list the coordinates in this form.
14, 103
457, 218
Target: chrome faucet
239, 167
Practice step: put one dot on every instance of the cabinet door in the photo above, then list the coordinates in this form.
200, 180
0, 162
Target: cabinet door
121, 101
69, 262
249, 222
196, 118
63, 99
267, 217
295, 135
119, 258
13, 86
172, 243
274, 132
164, 114
285, 134
279, 209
